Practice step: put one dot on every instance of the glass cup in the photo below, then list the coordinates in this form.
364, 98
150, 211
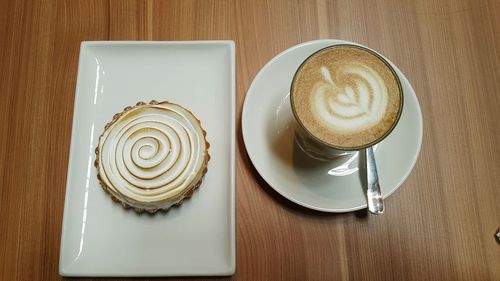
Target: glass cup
311, 144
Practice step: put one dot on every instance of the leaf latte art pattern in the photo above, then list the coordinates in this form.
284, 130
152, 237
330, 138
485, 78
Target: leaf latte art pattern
353, 99
152, 156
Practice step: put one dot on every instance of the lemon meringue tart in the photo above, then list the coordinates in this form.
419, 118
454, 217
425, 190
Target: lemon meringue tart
152, 156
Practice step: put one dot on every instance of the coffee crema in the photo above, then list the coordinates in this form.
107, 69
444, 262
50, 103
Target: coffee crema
152, 156
346, 97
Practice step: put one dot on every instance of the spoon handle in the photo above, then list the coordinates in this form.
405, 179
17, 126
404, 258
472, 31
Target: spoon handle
375, 201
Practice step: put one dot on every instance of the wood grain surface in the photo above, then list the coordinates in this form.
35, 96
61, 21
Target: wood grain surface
439, 226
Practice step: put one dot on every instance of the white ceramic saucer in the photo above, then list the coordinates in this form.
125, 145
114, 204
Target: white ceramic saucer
329, 186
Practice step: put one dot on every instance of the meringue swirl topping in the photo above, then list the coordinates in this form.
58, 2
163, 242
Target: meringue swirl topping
346, 96
151, 155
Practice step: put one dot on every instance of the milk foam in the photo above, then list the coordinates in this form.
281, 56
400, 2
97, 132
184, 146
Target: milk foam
346, 97
153, 153
353, 99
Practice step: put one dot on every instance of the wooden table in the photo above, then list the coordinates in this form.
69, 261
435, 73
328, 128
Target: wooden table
440, 225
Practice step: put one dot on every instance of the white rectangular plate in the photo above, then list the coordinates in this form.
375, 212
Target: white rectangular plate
99, 237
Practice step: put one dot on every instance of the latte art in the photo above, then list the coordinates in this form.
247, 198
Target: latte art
354, 99
346, 97
152, 155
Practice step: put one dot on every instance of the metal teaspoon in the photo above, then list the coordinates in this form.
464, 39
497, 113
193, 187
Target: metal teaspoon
373, 194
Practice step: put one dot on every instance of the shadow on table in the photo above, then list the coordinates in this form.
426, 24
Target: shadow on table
192, 278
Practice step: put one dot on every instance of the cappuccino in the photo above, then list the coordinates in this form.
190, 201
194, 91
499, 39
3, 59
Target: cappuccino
346, 97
